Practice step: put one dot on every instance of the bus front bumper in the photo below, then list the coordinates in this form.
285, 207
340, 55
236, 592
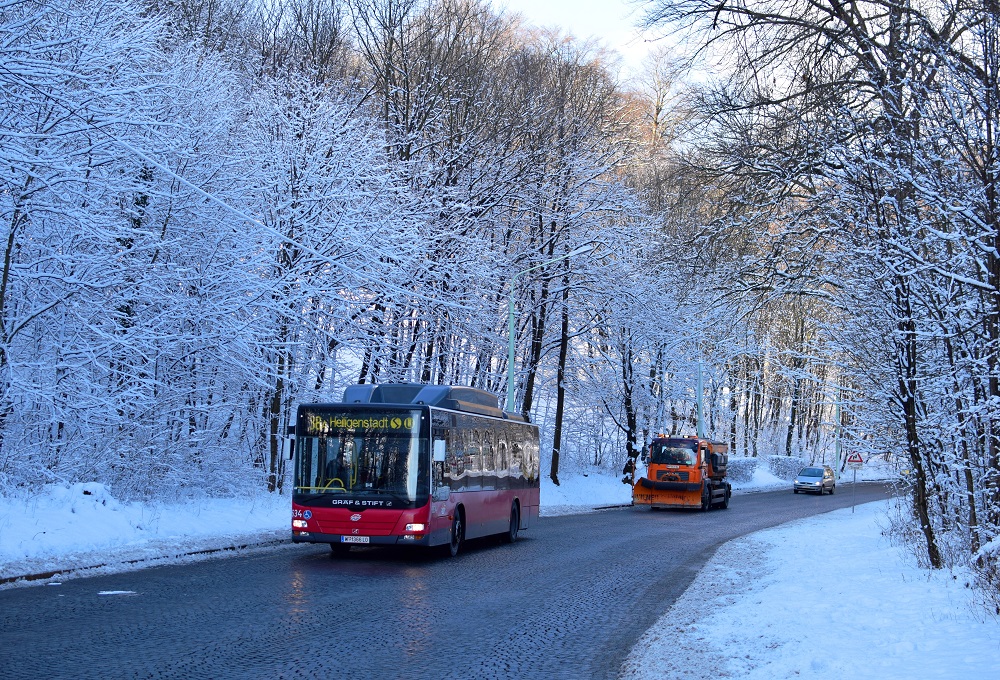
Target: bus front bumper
404, 539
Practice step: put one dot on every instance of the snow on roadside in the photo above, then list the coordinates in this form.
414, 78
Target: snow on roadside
582, 492
823, 597
65, 528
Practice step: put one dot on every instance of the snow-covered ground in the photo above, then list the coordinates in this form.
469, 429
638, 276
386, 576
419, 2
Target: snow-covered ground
824, 597
827, 597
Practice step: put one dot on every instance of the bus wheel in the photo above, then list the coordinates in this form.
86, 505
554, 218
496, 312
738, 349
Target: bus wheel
339, 549
457, 531
515, 525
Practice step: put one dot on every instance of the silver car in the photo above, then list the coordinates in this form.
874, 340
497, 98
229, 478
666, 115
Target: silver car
815, 478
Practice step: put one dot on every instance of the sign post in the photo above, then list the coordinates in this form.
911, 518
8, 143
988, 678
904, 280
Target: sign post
854, 461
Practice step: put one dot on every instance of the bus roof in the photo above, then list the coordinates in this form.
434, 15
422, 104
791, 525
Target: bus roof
456, 398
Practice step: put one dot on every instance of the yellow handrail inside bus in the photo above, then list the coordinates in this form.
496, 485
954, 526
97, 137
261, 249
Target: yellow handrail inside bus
329, 486
339, 483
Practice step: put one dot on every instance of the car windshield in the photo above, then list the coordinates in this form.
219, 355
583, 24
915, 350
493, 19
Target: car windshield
811, 472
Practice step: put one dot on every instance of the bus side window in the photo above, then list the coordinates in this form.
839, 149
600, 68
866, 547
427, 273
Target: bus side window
503, 469
516, 465
475, 453
438, 455
488, 479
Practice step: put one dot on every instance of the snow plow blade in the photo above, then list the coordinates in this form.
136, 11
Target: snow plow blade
666, 494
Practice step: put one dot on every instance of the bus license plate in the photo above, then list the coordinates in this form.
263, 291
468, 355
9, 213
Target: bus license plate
353, 539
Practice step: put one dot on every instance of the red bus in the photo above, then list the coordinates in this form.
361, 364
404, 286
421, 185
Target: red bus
411, 464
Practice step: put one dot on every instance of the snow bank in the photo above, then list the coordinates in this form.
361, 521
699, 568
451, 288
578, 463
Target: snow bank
582, 492
824, 598
84, 525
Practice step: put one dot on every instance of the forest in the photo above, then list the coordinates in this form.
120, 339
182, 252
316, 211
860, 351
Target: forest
216, 210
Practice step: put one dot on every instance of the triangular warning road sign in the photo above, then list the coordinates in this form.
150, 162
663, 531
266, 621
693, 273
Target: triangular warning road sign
855, 457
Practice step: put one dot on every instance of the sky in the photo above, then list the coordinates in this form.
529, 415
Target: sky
611, 21
825, 598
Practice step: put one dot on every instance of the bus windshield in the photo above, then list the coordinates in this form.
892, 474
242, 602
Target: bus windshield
360, 453
673, 452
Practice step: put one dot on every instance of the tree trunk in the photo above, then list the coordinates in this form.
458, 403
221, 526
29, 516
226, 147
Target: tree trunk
534, 351
560, 382
907, 353
631, 420
276, 464
793, 413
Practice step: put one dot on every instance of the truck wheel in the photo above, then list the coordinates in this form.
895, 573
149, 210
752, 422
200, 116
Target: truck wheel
706, 498
725, 500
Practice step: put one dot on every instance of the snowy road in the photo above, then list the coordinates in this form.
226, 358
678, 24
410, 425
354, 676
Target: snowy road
569, 600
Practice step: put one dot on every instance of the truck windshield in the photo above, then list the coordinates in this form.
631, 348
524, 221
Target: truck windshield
360, 453
672, 452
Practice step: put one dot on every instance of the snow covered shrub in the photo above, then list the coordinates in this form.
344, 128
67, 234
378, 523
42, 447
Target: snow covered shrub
741, 469
786, 467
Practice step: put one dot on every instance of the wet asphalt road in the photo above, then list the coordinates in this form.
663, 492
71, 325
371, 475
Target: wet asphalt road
568, 600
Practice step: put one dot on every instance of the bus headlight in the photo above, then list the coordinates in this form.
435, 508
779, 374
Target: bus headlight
415, 527
300, 524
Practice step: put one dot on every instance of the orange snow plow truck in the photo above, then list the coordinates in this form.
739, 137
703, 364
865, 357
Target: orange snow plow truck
684, 472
